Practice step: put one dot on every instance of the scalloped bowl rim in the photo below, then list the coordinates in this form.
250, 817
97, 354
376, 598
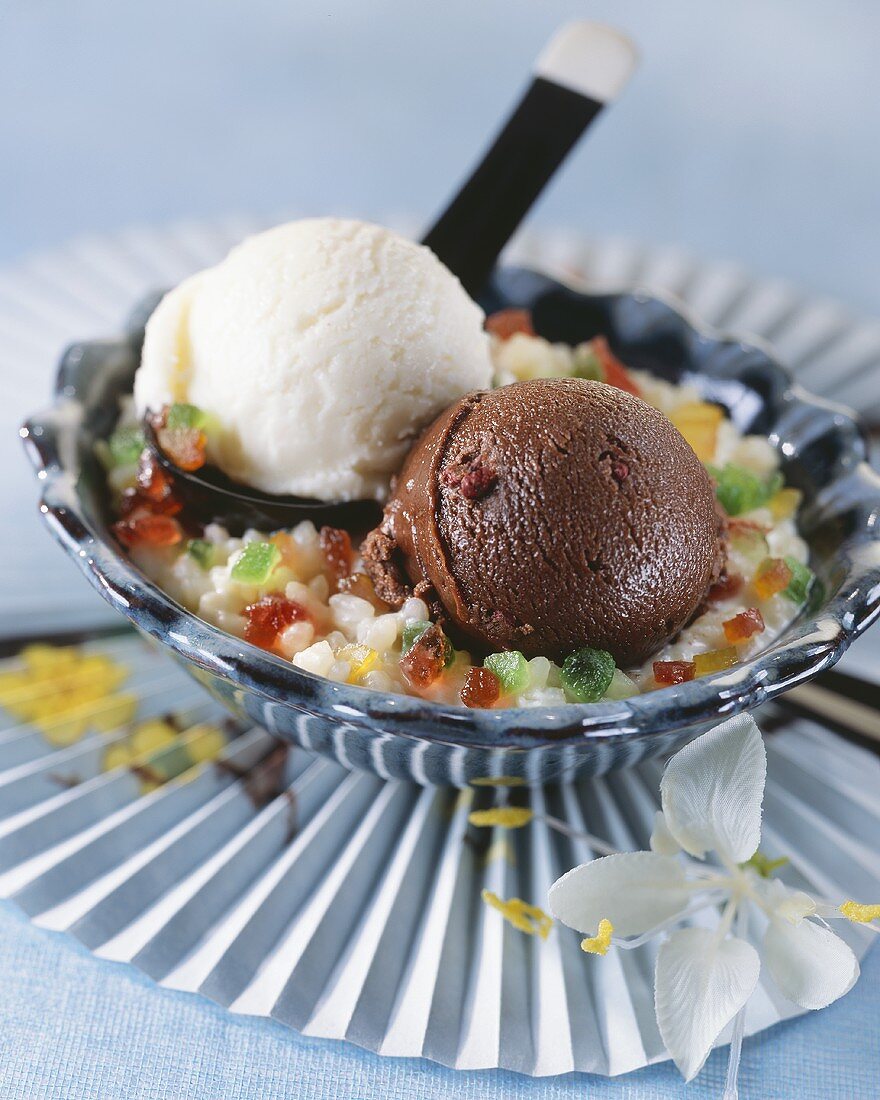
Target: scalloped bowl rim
694, 704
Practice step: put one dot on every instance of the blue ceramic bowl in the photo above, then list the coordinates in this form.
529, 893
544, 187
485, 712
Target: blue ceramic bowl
823, 454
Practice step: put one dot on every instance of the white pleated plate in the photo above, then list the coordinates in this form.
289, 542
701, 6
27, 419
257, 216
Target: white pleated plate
347, 907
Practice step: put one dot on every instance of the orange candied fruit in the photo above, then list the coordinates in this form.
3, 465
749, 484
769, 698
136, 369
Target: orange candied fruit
771, 577
698, 422
508, 322
146, 529
716, 660
482, 688
424, 661
184, 446
744, 626
359, 584
268, 617
725, 587
615, 372
673, 672
338, 554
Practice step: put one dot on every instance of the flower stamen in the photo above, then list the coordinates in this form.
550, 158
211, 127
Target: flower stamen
526, 918
599, 944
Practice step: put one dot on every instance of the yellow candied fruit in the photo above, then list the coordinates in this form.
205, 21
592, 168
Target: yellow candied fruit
508, 817
716, 660
361, 658
527, 918
698, 422
861, 914
785, 503
599, 944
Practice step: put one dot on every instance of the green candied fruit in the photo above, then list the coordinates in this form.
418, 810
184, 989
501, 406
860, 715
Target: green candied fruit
414, 630
739, 490
185, 416
256, 562
202, 551
587, 363
586, 674
125, 445
512, 670
621, 687
801, 581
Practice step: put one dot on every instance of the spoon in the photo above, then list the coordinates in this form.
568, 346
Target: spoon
583, 67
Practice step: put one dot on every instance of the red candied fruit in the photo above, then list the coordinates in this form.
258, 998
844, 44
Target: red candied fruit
726, 587
508, 322
146, 529
268, 617
673, 672
771, 577
133, 502
184, 446
424, 661
615, 372
153, 482
338, 555
481, 688
743, 626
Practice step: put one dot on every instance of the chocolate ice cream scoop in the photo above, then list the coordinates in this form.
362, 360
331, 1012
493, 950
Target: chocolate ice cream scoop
550, 515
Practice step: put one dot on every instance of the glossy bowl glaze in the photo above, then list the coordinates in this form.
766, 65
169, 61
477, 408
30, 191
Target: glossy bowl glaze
823, 454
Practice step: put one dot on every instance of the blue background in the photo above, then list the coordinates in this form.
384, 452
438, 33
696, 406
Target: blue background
750, 133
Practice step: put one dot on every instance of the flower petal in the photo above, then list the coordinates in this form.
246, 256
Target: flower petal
662, 840
634, 890
700, 984
712, 791
811, 966
790, 905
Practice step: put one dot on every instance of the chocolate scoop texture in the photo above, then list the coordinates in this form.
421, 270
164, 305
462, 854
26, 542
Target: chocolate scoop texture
550, 515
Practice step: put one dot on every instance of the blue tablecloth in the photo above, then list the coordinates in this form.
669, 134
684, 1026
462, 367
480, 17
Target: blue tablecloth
76, 1028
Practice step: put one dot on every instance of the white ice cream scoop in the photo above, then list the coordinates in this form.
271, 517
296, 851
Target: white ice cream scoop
320, 348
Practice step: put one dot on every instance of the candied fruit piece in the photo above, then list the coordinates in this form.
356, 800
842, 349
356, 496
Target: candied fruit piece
148, 530
614, 372
727, 586
586, 674
268, 617
183, 416
361, 658
414, 630
739, 490
801, 581
426, 658
201, 551
587, 363
698, 422
153, 482
743, 626
748, 540
255, 563
771, 577
785, 503
338, 554
481, 688
674, 672
184, 446
125, 445
512, 670
716, 660
508, 322
359, 584
621, 687
133, 502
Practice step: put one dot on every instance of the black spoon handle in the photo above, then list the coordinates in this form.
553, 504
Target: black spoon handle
583, 67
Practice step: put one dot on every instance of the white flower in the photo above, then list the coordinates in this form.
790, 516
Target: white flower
711, 794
